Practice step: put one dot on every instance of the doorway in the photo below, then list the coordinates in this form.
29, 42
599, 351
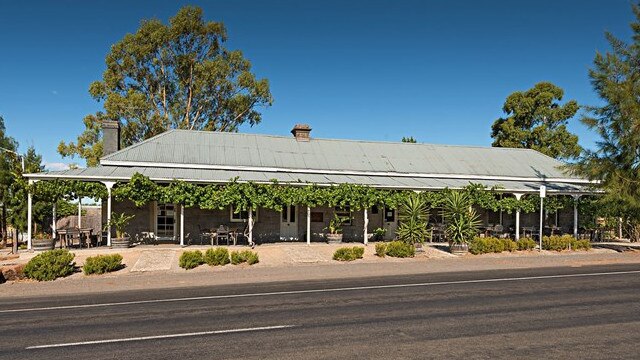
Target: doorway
166, 222
289, 223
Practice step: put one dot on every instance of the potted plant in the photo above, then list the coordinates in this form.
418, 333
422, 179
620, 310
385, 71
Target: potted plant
413, 221
461, 220
334, 236
42, 242
378, 234
119, 222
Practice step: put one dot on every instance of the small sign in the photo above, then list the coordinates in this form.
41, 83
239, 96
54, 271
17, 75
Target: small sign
543, 191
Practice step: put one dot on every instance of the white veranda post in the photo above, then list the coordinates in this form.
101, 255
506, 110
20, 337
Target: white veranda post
518, 197
29, 216
366, 225
79, 213
575, 215
54, 226
250, 225
308, 225
109, 185
181, 225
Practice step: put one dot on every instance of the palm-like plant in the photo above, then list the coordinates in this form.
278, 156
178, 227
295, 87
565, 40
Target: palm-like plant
461, 219
120, 222
413, 220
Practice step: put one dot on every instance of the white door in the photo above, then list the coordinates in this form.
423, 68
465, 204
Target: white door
390, 223
289, 223
165, 222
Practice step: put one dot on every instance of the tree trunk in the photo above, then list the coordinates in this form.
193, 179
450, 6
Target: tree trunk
4, 224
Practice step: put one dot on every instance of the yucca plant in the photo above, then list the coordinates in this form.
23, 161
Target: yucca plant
461, 219
413, 220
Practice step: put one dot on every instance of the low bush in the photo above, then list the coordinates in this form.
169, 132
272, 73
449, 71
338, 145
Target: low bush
486, 245
217, 256
381, 249
245, 256
191, 259
526, 244
400, 249
564, 242
50, 265
348, 253
102, 264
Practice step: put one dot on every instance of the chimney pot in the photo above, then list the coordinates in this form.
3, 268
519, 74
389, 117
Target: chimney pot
110, 137
301, 132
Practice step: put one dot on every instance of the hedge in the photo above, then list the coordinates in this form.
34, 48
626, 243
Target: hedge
348, 253
395, 249
245, 256
217, 256
191, 259
564, 242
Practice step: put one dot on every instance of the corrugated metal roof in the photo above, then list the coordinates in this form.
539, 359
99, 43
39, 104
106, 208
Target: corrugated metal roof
222, 176
204, 148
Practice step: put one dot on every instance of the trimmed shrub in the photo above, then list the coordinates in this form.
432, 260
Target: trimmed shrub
485, 245
381, 249
509, 245
400, 249
245, 256
564, 242
101, 264
50, 265
526, 244
348, 253
191, 259
217, 256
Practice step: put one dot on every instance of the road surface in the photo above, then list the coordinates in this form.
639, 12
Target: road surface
562, 313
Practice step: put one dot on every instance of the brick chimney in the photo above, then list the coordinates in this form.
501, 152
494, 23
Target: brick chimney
301, 132
110, 137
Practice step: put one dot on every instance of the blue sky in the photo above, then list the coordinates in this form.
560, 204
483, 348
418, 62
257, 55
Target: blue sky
377, 70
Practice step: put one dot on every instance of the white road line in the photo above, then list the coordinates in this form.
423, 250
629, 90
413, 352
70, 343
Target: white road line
312, 291
156, 337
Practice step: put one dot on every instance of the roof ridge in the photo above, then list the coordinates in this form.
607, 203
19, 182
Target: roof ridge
355, 140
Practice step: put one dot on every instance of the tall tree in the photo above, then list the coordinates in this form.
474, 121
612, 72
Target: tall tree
178, 75
615, 161
408, 139
7, 165
535, 120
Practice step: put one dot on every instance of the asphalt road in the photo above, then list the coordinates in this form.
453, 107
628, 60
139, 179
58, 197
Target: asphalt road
562, 313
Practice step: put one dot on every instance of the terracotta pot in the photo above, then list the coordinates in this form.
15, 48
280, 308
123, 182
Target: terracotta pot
459, 249
121, 243
334, 238
42, 244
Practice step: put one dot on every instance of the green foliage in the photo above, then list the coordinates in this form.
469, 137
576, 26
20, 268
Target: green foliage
171, 76
191, 259
485, 245
526, 243
381, 249
408, 139
399, 249
50, 265
461, 219
564, 242
536, 121
245, 256
119, 222
217, 256
335, 224
413, 219
102, 264
615, 161
348, 253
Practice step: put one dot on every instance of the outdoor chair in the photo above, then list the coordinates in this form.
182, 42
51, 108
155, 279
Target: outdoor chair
222, 234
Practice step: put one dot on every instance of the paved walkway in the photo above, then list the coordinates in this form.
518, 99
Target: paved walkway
156, 267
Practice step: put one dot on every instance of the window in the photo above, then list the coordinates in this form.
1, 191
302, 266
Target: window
389, 215
242, 216
317, 216
344, 213
374, 209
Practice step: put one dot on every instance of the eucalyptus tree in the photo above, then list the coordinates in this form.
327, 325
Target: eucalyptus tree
536, 120
172, 76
